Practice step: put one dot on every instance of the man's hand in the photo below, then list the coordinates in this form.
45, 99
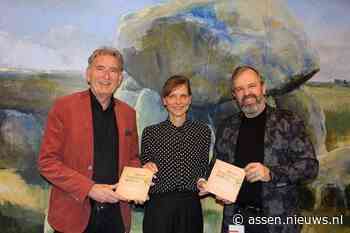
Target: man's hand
223, 200
151, 166
105, 193
202, 186
257, 172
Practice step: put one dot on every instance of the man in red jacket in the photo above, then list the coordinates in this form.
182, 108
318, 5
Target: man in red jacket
89, 138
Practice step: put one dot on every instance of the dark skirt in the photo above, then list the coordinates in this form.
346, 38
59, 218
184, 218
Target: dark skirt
173, 213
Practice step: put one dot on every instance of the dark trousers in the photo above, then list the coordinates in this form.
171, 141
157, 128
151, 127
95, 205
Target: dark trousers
173, 213
105, 218
243, 213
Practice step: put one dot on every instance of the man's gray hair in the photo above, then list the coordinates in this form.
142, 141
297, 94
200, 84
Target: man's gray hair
107, 51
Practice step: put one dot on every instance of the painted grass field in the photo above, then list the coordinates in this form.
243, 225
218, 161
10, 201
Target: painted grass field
335, 101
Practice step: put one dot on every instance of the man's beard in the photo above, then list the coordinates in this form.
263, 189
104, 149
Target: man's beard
252, 110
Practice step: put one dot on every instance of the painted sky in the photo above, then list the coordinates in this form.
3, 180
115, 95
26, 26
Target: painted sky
327, 23
60, 34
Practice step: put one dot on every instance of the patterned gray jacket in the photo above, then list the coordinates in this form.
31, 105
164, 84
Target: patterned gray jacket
289, 155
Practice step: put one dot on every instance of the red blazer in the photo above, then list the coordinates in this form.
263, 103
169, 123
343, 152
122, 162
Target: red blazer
66, 159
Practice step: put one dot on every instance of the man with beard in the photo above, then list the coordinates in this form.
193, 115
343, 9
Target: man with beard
275, 152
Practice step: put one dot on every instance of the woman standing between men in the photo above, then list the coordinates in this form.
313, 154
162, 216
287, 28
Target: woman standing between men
178, 149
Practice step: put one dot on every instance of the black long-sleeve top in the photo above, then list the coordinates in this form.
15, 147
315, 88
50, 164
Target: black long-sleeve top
180, 153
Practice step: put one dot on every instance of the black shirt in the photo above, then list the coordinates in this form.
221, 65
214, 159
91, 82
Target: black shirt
250, 148
180, 153
105, 164
105, 143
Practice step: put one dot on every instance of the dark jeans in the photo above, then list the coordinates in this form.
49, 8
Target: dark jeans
244, 214
105, 218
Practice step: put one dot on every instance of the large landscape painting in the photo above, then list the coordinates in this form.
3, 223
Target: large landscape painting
301, 48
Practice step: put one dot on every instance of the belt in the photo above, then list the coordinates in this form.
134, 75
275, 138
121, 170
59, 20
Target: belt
102, 206
250, 208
